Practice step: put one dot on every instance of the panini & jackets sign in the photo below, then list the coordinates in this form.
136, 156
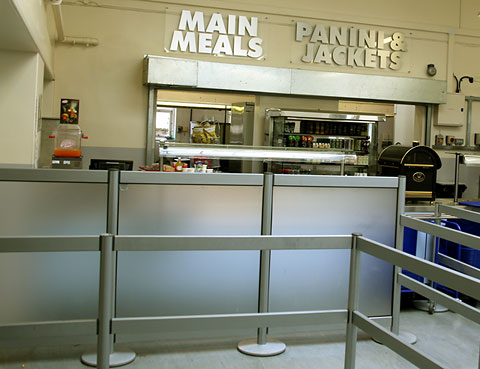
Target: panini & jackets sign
350, 46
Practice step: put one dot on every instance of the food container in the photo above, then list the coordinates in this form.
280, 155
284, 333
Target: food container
68, 141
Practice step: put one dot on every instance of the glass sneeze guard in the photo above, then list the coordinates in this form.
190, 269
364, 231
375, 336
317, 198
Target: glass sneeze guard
262, 153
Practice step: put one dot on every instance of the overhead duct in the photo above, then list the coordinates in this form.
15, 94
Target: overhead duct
57, 14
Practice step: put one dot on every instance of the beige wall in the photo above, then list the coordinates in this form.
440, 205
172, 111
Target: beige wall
20, 89
34, 16
108, 78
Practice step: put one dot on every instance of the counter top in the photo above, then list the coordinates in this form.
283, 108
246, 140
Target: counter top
428, 207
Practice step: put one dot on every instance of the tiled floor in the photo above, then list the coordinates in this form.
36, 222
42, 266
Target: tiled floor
451, 339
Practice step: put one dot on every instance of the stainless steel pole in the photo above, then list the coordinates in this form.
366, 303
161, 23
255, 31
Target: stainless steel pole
152, 110
399, 230
261, 346
397, 287
104, 340
457, 175
264, 282
353, 296
433, 307
116, 358
468, 130
428, 125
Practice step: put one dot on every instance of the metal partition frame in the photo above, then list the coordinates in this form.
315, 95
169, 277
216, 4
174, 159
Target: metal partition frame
50, 244
335, 181
53, 175
216, 179
455, 236
108, 325
364, 182
468, 285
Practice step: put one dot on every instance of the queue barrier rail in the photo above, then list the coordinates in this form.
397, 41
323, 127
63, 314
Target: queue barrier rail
453, 263
449, 234
107, 325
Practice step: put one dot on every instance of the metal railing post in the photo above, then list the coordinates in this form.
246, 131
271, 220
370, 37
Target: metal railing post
353, 296
261, 346
457, 176
399, 230
397, 287
104, 340
116, 358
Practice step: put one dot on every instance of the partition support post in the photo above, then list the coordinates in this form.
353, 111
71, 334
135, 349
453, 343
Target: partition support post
104, 341
457, 175
399, 229
261, 346
429, 305
116, 358
353, 295
397, 287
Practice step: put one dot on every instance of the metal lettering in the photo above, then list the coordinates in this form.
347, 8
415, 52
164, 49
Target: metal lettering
323, 55
380, 39
366, 38
222, 46
384, 55
395, 57
353, 37
237, 47
216, 24
195, 22
183, 42
319, 34
370, 58
338, 36
232, 23
303, 29
255, 45
398, 42
244, 25
205, 43
308, 57
355, 57
340, 55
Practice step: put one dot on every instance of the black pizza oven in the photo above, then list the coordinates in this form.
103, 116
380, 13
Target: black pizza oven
418, 164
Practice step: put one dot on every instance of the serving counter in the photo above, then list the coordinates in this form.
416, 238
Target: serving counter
51, 286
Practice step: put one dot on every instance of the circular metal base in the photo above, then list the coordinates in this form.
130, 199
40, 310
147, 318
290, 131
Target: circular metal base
428, 306
116, 359
405, 336
251, 347
408, 337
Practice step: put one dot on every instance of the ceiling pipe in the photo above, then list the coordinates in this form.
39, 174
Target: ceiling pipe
57, 15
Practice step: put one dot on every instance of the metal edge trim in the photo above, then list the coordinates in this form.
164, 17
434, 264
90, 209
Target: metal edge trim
54, 175
225, 321
335, 181
48, 329
158, 243
213, 179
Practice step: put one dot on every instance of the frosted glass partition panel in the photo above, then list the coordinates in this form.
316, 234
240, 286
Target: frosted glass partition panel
188, 282
318, 279
50, 286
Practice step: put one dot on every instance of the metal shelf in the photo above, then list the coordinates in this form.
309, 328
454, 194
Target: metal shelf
336, 136
455, 148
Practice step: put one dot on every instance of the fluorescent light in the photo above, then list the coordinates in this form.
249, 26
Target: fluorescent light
255, 153
193, 105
